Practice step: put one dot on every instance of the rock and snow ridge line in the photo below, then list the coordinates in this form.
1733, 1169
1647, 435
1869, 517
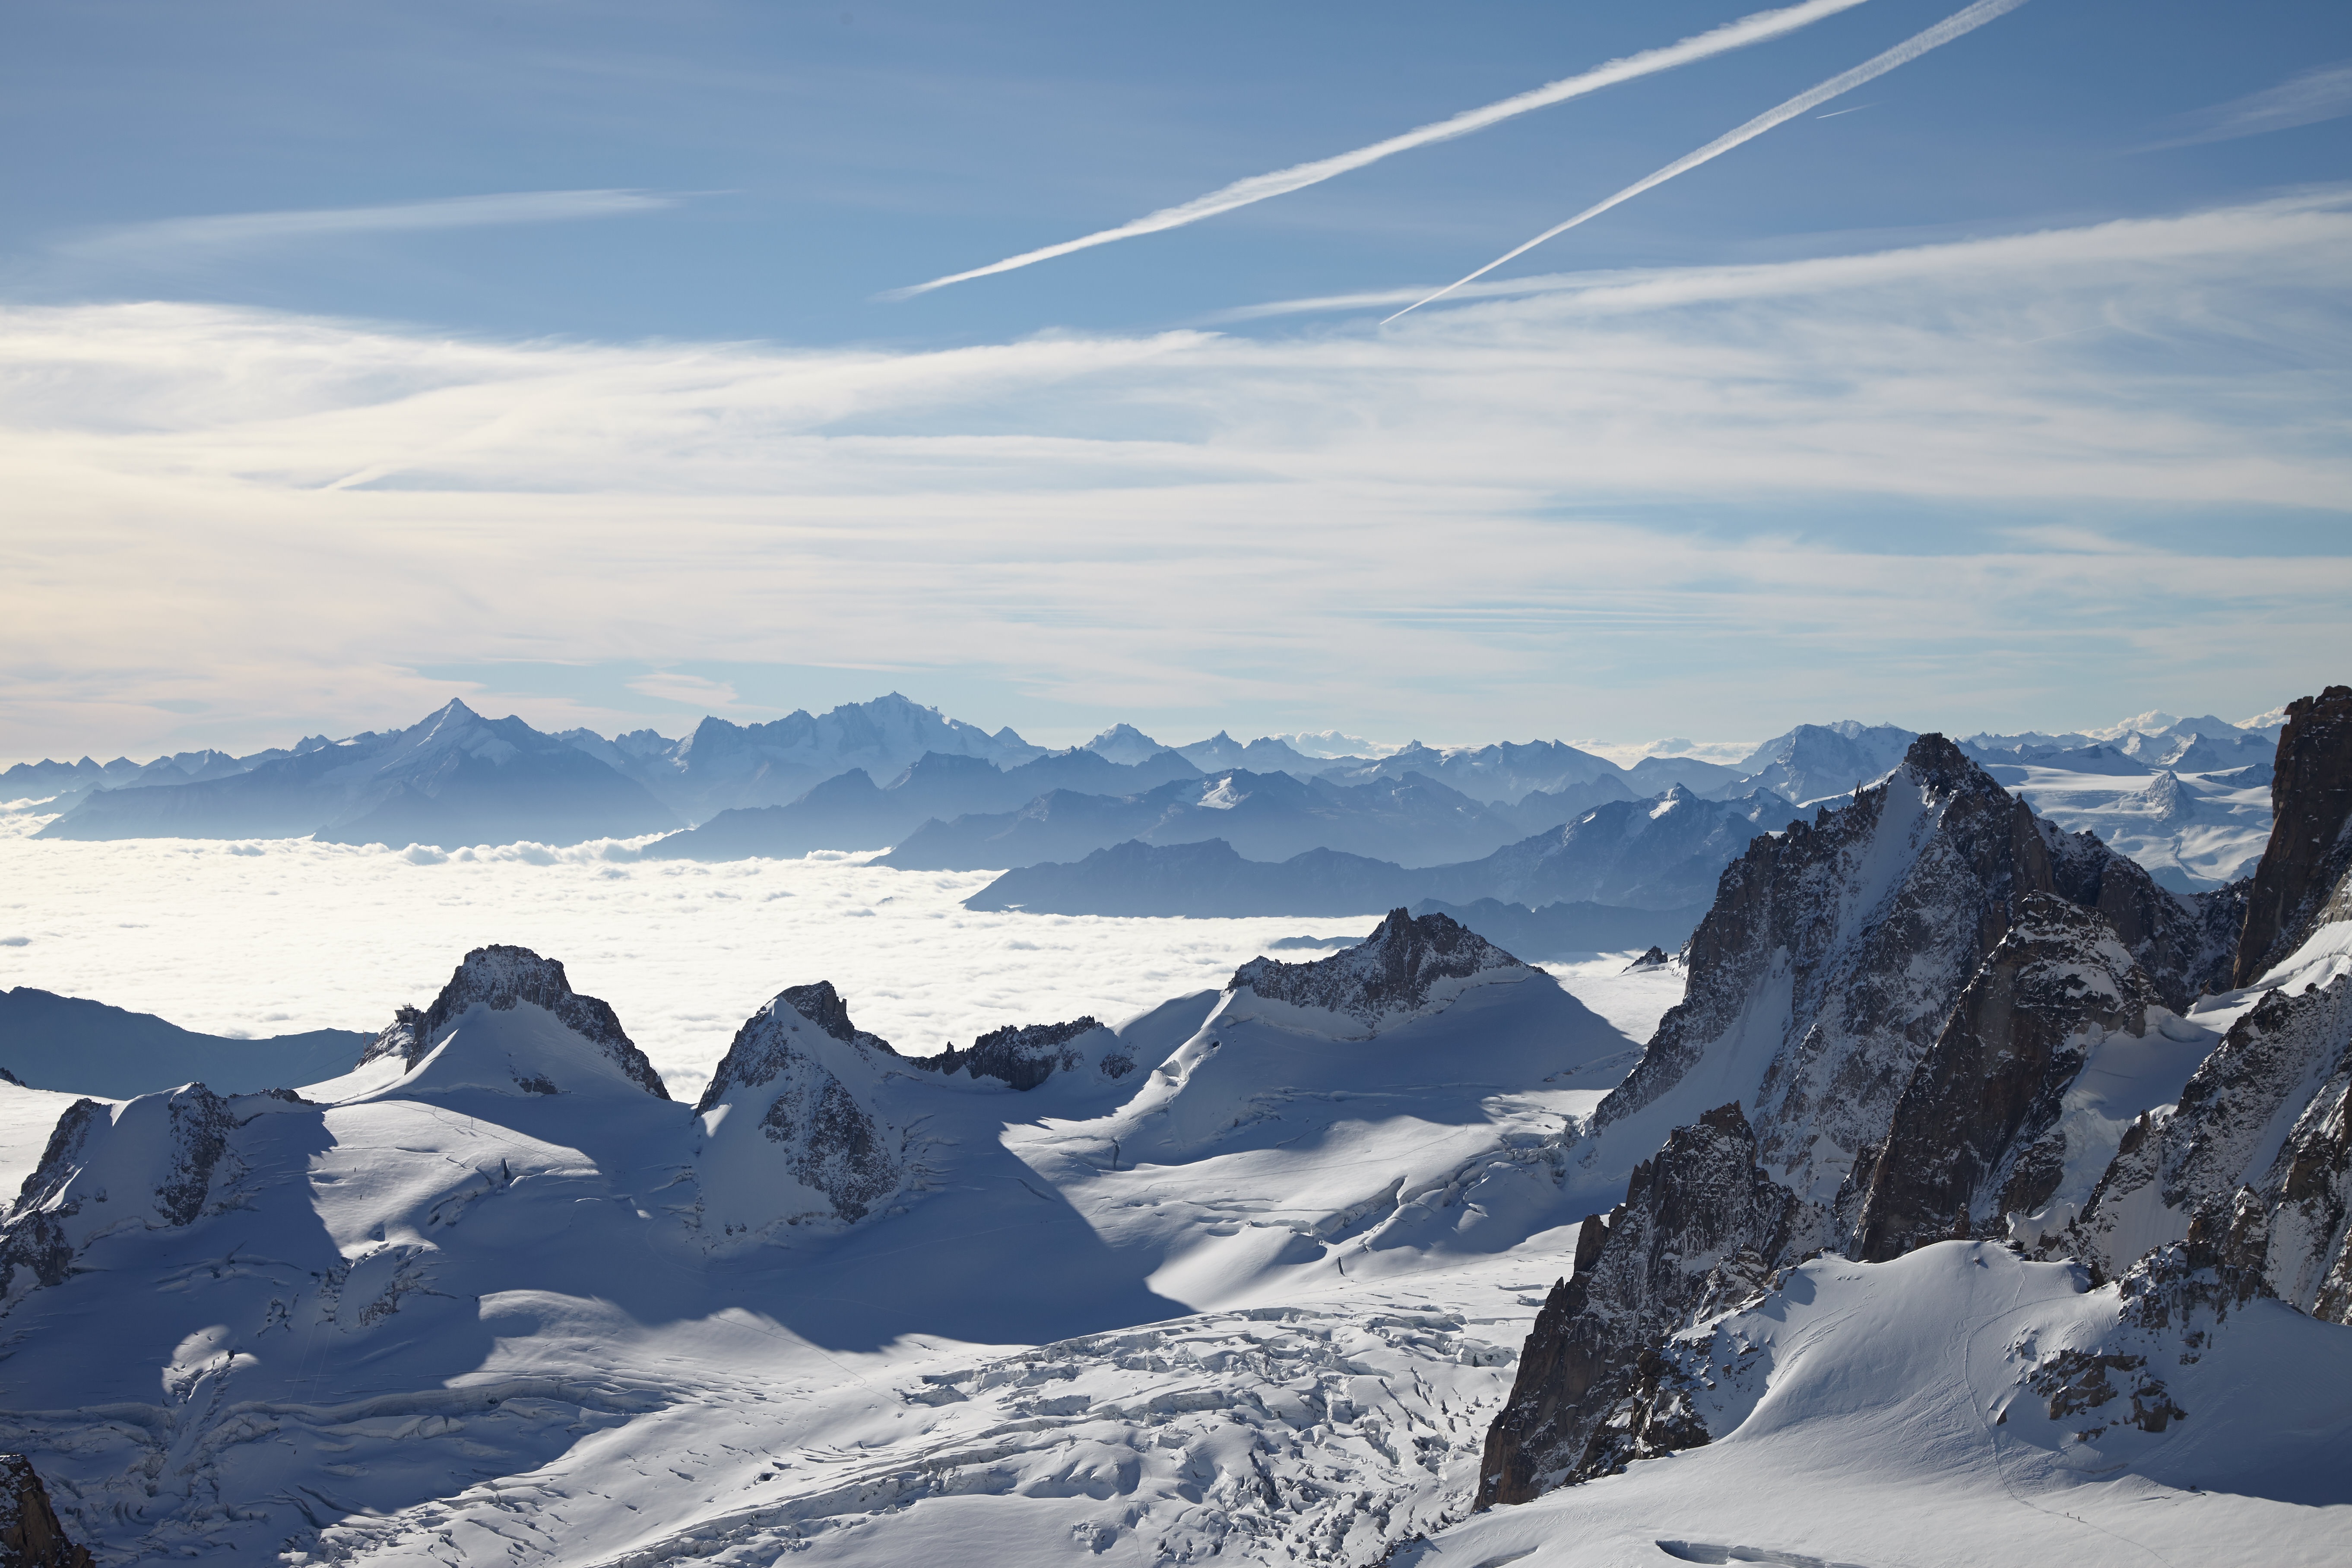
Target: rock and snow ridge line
1935, 1015
313, 1269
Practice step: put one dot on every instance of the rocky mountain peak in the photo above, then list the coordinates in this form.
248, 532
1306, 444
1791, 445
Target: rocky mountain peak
30, 1534
821, 1004
497, 978
1392, 972
763, 1047
1027, 1056
2302, 879
1700, 1228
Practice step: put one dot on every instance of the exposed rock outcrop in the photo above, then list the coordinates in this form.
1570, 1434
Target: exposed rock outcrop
795, 1134
2306, 875
1898, 997
500, 978
2252, 1174
1975, 1136
158, 1162
30, 1534
1025, 1056
1405, 967
1700, 1230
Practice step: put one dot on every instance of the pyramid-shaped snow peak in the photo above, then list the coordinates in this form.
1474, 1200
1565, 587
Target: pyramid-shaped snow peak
792, 1131
533, 1019
1406, 968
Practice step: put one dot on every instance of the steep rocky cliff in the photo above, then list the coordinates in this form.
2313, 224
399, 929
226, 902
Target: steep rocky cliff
791, 1132
501, 978
1900, 1000
2302, 879
30, 1535
1699, 1230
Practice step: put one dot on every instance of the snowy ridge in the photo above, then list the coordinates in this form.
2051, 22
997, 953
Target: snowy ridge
790, 1130
1408, 967
498, 979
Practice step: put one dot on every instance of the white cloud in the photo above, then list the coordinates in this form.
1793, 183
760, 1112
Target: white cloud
1708, 499
2324, 92
241, 231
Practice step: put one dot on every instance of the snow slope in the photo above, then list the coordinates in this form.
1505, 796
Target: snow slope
494, 1285
1901, 1413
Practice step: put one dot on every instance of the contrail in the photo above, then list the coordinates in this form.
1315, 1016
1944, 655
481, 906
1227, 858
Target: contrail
1737, 35
1911, 48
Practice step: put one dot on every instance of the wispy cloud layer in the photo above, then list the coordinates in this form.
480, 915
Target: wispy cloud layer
239, 231
1902, 54
2324, 92
1737, 35
1849, 485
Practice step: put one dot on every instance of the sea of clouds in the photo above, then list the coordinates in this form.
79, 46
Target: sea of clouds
274, 936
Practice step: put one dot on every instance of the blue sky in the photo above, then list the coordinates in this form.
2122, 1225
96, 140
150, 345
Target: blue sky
363, 356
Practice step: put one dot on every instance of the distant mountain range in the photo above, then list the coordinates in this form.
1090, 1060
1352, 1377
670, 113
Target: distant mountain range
1661, 857
946, 794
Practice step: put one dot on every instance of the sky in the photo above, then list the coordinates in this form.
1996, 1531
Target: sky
561, 358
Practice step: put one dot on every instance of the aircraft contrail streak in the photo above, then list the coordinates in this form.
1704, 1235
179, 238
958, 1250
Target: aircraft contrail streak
1734, 35
1911, 48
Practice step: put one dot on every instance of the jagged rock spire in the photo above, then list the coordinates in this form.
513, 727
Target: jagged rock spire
500, 977
2306, 874
1391, 972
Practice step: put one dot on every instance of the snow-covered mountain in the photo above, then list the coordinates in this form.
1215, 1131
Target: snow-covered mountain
496, 1246
1660, 856
453, 779
1932, 1014
1409, 820
1815, 762
850, 811
1502, 772
1966, 1208
723, 766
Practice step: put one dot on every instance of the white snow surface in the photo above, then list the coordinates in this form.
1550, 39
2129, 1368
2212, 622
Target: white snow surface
1880, 1415
1258, 1295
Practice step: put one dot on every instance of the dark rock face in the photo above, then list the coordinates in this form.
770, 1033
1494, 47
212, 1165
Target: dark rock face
61, 1208
1391, 972
498, 978
2301, 880
2251, 1174
1873, 919
1972, 1137
821, 1004
1025, 1057
1701, 1225
834, 1146
777, 1068
1911, 983
30, 1535
762, 1048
